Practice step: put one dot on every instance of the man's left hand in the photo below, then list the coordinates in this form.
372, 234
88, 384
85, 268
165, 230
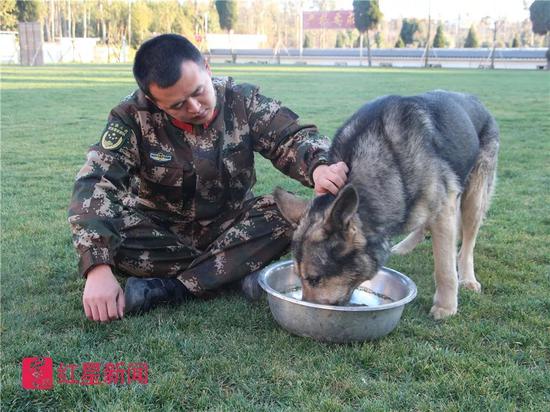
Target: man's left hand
330, 178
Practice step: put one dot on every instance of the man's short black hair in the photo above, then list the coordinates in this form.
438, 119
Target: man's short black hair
159, 60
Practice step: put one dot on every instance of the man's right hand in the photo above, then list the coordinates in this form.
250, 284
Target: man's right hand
103, 298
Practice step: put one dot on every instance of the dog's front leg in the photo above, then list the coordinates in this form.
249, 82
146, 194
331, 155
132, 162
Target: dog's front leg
444, 248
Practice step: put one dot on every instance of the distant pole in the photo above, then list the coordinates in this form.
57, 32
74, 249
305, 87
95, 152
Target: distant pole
297, 20
301, 30
494, 45
457, 36
361, 49
427, 51
129, 23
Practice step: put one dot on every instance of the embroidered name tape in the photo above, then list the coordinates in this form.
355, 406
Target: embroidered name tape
160, 157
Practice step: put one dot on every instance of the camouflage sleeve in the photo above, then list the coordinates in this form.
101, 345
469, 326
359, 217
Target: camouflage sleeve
100, 194
294, 149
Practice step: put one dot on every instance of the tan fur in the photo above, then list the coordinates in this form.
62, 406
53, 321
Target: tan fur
316, 233
295, 207
329, 287
354, 238
410, 242
474, 204
444, 249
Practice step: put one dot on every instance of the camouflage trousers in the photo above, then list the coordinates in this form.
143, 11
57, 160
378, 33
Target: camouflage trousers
208, 255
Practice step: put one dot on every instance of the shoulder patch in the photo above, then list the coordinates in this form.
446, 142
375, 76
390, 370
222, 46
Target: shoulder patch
114, 135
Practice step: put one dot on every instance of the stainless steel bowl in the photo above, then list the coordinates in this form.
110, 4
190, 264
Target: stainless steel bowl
374, 310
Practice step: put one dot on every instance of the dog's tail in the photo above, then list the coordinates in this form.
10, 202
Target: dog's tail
480, 185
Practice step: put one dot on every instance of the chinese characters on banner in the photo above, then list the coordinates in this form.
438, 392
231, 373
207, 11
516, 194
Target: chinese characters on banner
39, 373
337, 19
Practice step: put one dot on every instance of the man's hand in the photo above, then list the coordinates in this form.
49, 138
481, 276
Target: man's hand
330, 178
103, 298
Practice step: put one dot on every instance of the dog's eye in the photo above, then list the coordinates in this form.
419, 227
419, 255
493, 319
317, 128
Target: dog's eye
313, 281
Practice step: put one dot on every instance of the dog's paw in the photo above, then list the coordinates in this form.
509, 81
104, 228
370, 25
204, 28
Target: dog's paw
439, 312
473, 285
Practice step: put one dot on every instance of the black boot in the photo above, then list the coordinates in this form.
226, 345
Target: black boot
250, 287
143, 294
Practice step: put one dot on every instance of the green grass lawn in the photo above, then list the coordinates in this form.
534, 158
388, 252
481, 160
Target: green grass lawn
227, 354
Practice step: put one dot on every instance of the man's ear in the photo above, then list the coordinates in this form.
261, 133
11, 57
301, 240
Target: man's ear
291, 206
342, 210
207, 68
153, 102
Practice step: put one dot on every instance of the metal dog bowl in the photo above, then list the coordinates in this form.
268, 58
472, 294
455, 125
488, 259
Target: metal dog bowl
374, 311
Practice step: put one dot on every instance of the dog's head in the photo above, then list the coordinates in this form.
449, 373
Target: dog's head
328, 245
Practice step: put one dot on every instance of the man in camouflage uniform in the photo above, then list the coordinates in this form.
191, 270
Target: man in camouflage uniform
165, 196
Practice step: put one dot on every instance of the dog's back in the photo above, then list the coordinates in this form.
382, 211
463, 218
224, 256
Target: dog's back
405, 152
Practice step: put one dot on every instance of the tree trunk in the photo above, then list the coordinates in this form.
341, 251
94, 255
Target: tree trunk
70, 20
233, 55
103, 26
47, 26
494, 46
59, 20
361, 49
548, 52
427, 50
47, 35
73, 27
368, 49
52, 21
85, 22
129, 24
301, 31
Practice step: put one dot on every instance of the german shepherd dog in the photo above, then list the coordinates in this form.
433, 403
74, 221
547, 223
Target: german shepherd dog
417, 164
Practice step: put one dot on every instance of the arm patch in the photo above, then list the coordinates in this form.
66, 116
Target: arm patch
114, 135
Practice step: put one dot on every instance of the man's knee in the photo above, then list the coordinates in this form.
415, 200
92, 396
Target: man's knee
150, 250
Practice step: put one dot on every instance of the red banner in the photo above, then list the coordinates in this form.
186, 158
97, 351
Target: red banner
336, 19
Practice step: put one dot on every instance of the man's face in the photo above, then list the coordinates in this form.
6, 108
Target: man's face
191, 99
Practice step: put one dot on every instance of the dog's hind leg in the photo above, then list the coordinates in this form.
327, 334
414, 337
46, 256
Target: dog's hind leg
474, 204
472, 216
444, 248
409, 243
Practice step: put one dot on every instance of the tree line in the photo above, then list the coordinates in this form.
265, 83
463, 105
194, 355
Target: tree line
132, 21
112, 21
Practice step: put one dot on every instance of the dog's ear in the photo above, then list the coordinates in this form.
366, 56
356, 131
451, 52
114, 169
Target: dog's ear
291, 206
342, 210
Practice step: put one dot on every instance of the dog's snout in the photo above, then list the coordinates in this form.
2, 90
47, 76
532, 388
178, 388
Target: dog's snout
319, 296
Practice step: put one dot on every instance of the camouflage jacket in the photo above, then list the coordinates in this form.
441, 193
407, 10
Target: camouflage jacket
144, 162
